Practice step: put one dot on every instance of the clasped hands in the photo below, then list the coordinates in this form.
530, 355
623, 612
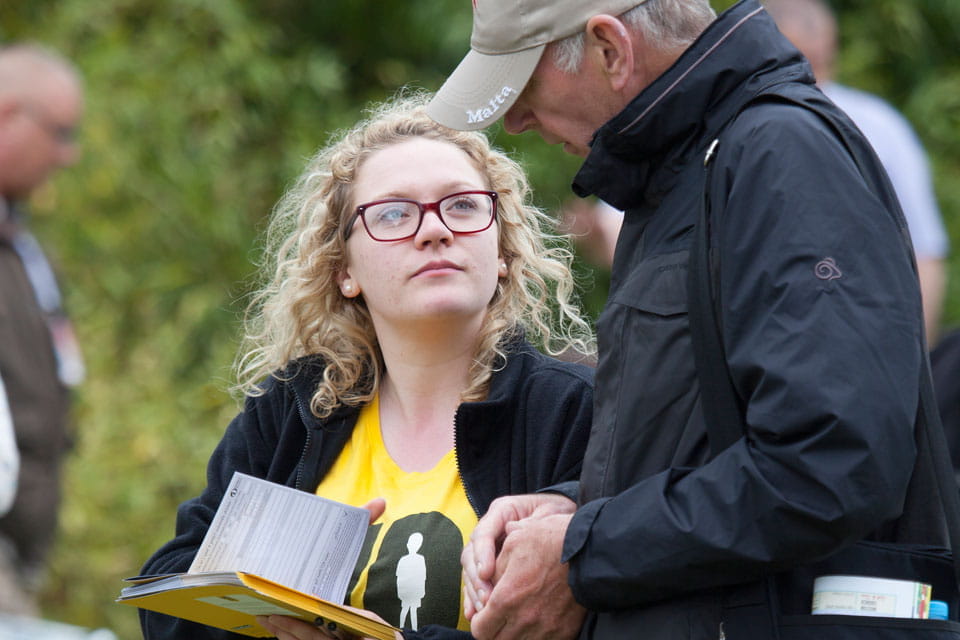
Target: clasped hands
514, 583
515, 586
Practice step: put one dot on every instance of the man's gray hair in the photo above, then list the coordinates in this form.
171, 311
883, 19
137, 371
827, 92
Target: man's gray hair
23, 64
665, 24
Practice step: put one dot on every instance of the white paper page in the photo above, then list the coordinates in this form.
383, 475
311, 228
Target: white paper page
295, 538
9, 455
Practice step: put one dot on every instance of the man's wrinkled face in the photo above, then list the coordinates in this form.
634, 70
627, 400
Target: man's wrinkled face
564, 108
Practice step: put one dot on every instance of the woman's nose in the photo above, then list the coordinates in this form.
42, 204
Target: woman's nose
432, 229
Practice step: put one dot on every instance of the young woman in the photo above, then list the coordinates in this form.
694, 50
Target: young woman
407, 274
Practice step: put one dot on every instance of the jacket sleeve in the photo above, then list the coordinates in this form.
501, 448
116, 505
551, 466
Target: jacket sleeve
536, 436
821, 325
245, 447
559, 408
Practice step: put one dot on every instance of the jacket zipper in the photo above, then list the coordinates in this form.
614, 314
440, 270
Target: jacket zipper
456, 459
306, 444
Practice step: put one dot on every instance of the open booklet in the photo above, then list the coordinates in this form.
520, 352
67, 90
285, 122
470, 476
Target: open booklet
270, 550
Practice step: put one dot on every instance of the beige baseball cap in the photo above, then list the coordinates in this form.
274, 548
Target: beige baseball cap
508, 38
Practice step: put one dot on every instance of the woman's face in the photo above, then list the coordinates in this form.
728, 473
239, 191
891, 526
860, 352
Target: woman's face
435, 275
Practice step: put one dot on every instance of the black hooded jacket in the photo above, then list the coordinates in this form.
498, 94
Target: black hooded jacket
821, 324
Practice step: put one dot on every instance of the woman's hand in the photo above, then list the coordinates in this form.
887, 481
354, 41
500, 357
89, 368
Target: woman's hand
376, 507
287, 628
479, 556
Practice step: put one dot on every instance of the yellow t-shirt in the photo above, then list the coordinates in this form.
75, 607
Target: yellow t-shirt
409, 568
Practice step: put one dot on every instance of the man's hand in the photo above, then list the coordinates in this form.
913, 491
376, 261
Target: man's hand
479, 557
530, 598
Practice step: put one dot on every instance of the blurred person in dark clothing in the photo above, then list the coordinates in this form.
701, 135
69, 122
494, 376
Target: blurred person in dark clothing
40, 107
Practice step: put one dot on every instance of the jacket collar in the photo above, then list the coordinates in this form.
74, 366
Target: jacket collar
504, 381
653, 138
303, 376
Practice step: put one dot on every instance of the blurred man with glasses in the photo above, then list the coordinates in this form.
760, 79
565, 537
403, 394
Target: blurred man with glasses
40, 107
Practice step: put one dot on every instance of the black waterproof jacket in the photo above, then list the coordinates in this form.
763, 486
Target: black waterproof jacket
820, 316
530, 432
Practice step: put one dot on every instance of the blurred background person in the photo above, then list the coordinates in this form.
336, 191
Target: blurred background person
594, 226
812, 27
40, 108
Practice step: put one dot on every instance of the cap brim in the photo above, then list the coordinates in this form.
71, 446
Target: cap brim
482, 88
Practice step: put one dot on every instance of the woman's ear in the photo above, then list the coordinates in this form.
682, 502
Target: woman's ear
610, 46
348, 287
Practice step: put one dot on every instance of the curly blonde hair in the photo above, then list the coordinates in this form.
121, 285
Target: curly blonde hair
299, 311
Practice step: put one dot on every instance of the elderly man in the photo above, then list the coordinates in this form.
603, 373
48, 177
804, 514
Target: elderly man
676, 529
40, 107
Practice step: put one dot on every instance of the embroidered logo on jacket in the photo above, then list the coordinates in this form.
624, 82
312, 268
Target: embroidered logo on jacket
827, 269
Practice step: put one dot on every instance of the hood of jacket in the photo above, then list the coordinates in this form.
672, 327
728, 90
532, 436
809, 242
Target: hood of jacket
648, 143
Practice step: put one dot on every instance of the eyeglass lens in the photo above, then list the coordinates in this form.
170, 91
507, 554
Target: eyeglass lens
460, 212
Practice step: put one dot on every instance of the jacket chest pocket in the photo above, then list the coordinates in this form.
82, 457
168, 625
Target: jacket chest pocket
657, 286
646, 376
647, 332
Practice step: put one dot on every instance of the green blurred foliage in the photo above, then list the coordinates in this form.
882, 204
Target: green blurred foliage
198, 114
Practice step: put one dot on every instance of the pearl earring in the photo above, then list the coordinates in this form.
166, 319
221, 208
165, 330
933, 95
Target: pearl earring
348, 288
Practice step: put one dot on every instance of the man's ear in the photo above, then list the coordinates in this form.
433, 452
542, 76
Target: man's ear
609, 45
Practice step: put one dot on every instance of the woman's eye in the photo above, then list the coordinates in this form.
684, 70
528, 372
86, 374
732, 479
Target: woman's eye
463, 205
392, 214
